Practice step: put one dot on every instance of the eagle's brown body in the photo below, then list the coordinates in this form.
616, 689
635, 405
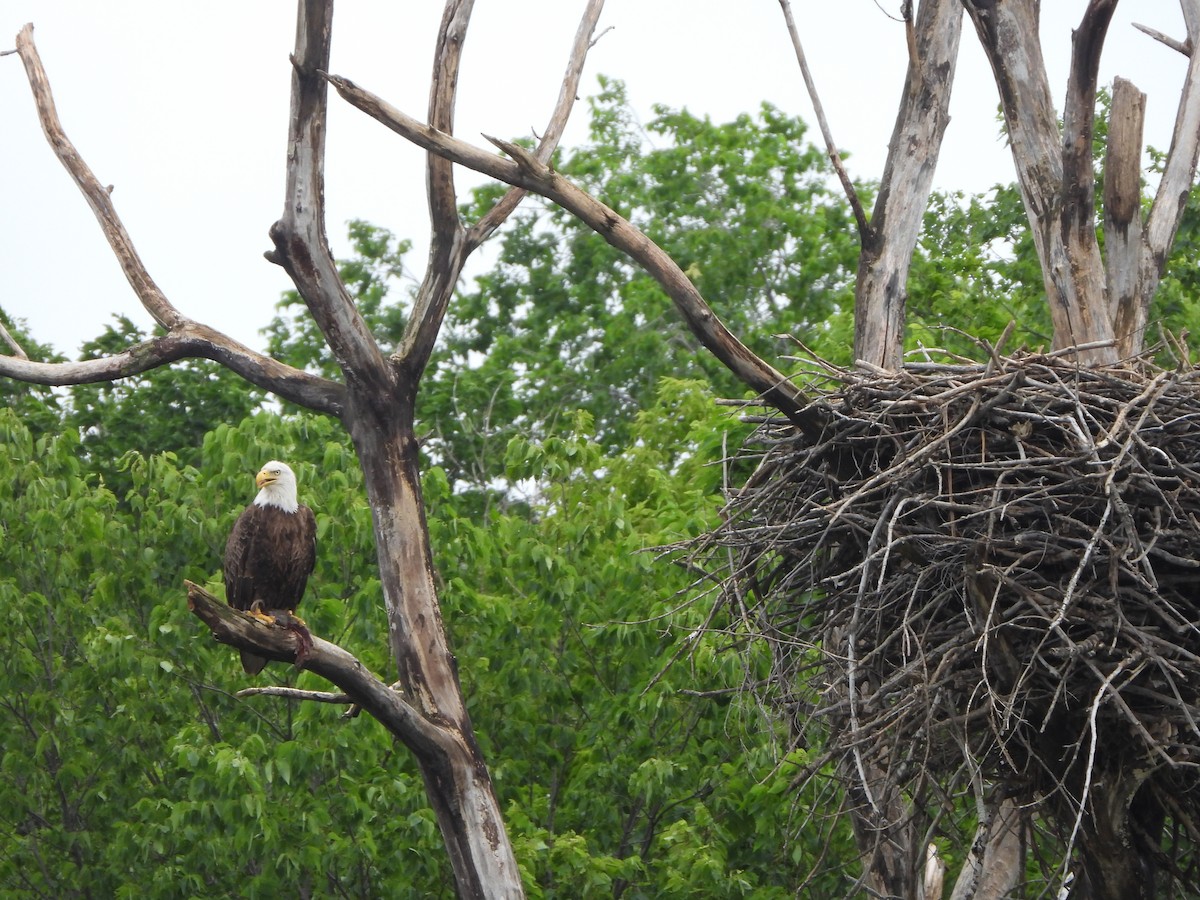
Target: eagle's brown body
268, 558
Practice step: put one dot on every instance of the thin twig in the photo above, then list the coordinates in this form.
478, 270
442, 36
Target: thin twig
860, 214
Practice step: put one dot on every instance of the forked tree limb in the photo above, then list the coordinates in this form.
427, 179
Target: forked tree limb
1174, 187
552, 135
450, 242
301, 245
526, 171
338, 666
185, 338
1072, 269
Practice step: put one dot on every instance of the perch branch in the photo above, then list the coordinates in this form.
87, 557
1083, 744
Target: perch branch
524, 170
237, 629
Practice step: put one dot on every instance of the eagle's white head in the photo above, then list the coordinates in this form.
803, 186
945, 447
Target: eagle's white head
276, 486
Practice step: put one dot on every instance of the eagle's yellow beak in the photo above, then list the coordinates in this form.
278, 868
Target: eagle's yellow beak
263, 478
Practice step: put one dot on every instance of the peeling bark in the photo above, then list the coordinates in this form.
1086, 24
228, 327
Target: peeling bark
1054, 169
1123, 213
881, 291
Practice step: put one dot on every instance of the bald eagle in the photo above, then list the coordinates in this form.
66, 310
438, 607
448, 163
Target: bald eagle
270, 553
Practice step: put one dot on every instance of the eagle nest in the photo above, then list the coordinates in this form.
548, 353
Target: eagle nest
985, 574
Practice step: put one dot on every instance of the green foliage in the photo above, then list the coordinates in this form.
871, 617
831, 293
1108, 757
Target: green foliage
1176, 306
976, 269
568, 438
615, 778
130, 768
562, 321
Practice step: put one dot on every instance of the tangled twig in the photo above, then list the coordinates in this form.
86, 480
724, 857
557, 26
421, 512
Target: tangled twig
995, 567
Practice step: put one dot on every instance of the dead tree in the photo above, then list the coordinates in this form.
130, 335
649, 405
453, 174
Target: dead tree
374, 401
1100, 309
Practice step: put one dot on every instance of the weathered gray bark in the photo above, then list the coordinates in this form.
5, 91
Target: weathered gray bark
1091, 302
881, 287
993, 866
1162, 222
889, 237
1123, 208
1053, 169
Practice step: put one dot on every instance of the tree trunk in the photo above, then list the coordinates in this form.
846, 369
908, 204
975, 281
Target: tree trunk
993, 867
1123, 214
880, 290
456, 776
1054, 169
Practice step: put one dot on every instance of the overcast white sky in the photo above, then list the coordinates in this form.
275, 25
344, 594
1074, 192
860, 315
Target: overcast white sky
182, 107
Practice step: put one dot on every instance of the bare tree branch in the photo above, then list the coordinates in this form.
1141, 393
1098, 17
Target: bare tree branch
567, 95
860, 214
185, 337
443, 198
188, 341
1184, 47
1079, 116
289, 693
447, 254
1170, 201
16, 348
450, 244
97, 195
238, 629
527, 172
